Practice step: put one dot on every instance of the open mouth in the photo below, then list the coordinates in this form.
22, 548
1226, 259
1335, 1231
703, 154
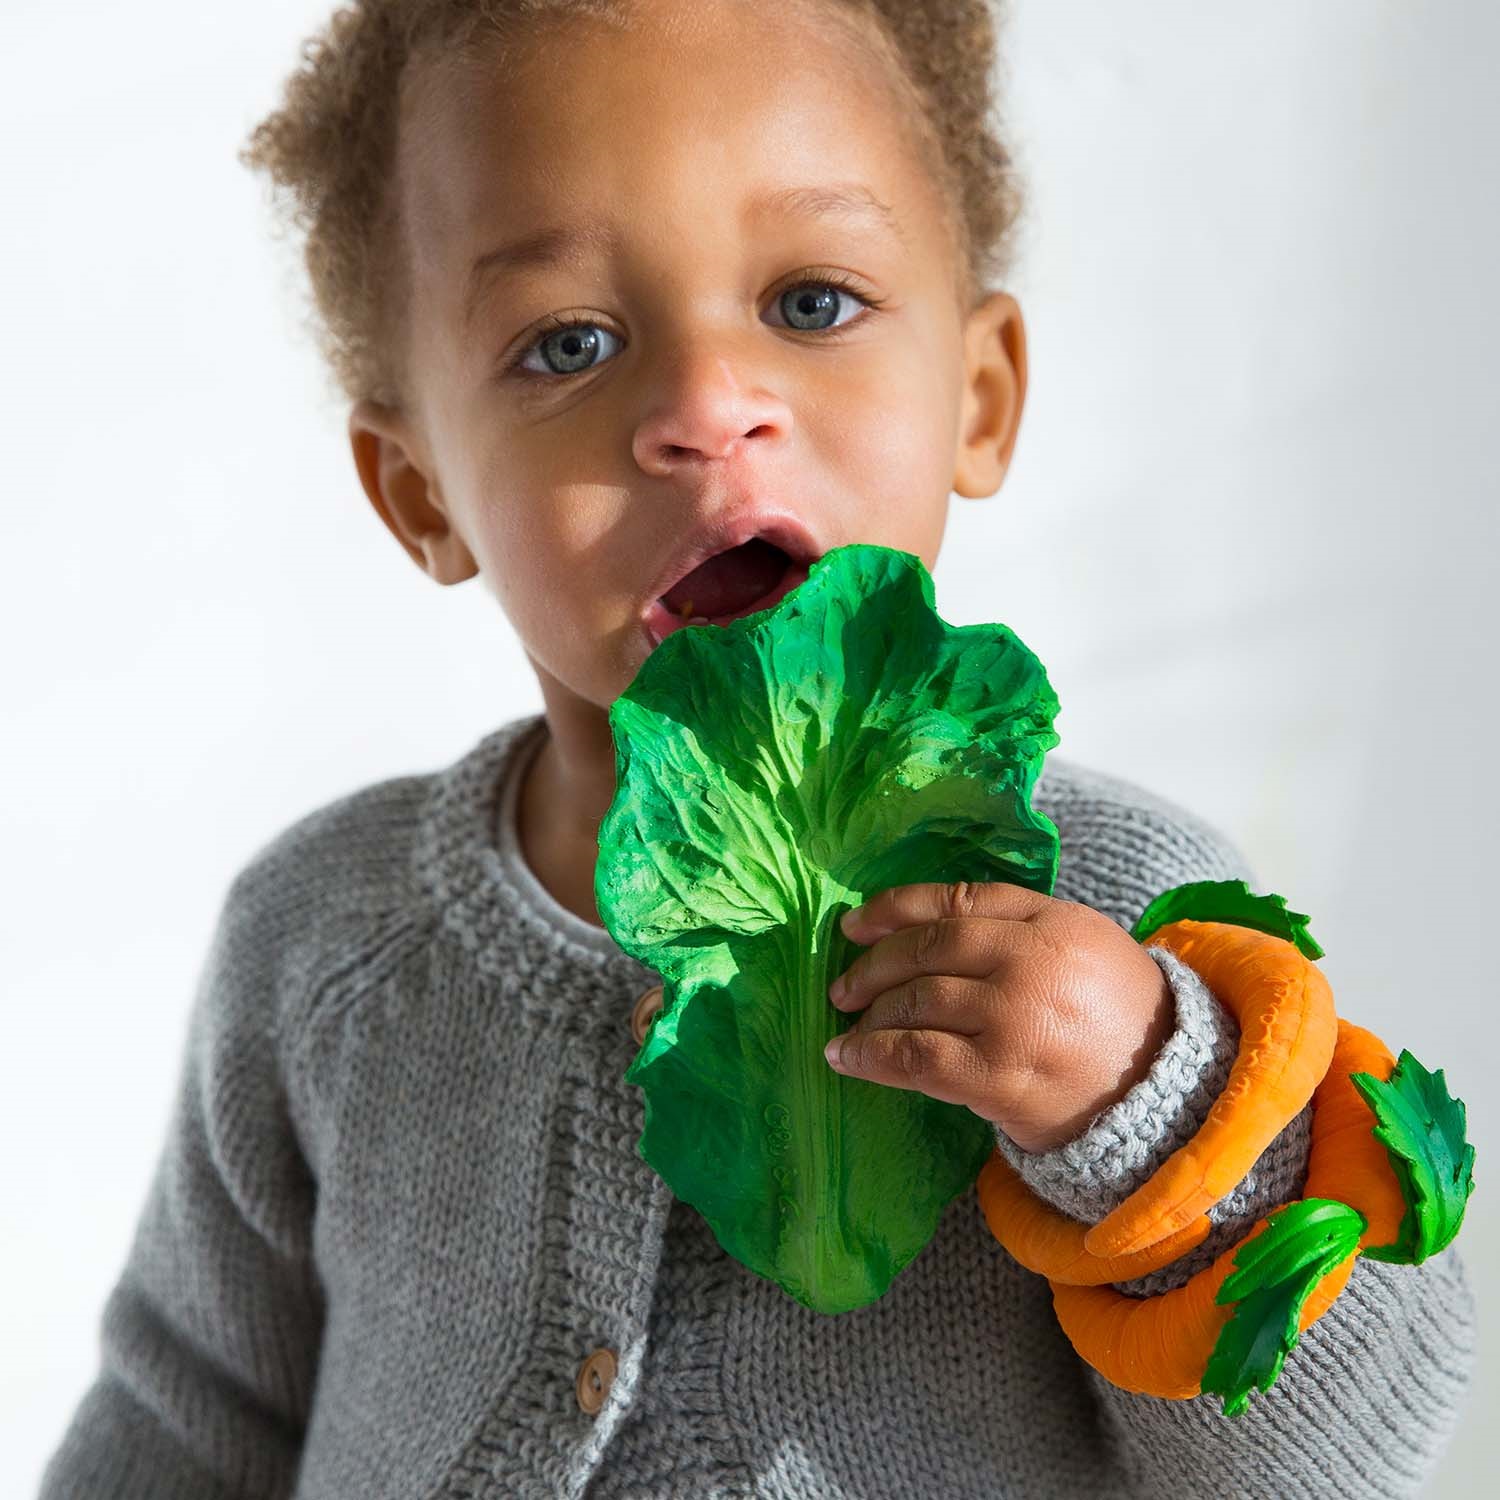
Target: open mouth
728, 586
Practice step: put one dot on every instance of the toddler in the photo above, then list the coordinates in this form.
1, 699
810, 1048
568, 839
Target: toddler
641, 307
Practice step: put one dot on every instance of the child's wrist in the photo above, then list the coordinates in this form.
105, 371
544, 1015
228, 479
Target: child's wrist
1119, 1147
1117, 1055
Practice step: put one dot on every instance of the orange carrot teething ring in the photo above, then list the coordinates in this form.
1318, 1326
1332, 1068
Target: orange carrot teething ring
1050, 1243
1159, 1346
1388, 1173
1287, 1025
1284, 1007
1346, 1160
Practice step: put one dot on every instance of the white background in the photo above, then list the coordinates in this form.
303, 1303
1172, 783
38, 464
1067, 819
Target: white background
1250, 529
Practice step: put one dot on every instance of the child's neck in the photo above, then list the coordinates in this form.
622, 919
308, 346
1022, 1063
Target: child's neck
566, 791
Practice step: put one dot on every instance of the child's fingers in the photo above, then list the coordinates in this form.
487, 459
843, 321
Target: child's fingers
969, 948
933, 1002
936, 1063
929, 901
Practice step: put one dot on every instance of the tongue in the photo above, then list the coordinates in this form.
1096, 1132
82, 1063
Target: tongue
727, 582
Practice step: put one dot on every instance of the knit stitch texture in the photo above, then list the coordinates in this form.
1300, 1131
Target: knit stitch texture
400, 1205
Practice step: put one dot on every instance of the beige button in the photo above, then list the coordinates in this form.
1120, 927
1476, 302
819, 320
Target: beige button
647, 1008
595, 1376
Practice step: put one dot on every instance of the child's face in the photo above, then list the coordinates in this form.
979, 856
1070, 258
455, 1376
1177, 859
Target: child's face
690, 396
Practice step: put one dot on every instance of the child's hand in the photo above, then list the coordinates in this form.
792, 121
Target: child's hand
1034, 1012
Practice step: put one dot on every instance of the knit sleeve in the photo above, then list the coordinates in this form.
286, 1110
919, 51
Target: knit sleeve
209, 1340
1369, 1397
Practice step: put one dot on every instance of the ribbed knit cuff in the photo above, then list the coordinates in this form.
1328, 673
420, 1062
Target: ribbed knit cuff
1126, 1142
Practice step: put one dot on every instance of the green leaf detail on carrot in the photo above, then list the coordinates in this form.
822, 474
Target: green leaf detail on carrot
1422, 1127
1278, 1268
1227, 901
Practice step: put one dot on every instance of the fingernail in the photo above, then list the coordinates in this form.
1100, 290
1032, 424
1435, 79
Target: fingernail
832, 1050
837, 988
850, 918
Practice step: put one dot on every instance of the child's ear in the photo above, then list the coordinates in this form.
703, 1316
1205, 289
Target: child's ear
994, 391
395, 474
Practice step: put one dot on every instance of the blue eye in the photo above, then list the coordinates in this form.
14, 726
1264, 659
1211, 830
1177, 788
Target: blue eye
570, 348
572, 345
811, 299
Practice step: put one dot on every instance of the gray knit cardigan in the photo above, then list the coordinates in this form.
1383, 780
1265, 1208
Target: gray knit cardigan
400, 1243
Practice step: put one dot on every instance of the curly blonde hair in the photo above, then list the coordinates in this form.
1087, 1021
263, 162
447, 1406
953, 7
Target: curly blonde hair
330, 148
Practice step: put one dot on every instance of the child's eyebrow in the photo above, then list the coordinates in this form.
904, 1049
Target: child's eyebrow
575, 242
